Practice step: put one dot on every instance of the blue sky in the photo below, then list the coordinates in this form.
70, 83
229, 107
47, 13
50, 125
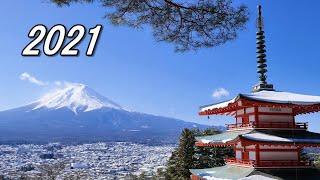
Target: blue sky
132, 69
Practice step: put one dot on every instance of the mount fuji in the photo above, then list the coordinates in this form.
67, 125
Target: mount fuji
79, 114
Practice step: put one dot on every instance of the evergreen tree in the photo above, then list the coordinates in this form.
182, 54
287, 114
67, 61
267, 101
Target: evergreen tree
187, 156
208, 157
161, 172
317, 161
142, 176
131, 176
182, 158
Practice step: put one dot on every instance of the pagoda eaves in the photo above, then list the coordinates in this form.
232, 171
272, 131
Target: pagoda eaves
300, 103
264, 137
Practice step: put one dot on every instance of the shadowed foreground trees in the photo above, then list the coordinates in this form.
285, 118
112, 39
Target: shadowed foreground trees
182, 159
189, 25
207, 157
187, 156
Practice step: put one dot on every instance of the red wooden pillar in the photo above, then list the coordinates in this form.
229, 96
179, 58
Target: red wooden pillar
256, 115
298, 151
235, 152
257, 150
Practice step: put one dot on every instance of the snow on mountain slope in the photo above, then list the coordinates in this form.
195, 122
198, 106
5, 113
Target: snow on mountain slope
79, 114
76, 97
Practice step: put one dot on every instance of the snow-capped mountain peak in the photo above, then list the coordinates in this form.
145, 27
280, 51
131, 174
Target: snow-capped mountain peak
76, 97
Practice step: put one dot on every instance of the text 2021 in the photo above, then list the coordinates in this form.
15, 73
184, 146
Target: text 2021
76, 33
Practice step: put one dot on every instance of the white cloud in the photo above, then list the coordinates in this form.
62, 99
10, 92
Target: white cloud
58, 85
26, 76
220, 92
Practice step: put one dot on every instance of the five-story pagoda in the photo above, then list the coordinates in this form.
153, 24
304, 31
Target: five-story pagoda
266, 138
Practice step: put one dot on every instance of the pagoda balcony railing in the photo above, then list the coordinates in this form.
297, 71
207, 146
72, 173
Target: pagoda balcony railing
267, 163
241, 162
286, 163
195, 177
299, 125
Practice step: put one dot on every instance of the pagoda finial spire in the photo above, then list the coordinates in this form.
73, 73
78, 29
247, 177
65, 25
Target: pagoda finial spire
261, 50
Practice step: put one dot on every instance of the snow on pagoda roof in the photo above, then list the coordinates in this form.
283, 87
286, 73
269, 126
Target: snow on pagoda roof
221, 138
284, 97
270, 96
223, 172
249, 173
275, 136
283, 136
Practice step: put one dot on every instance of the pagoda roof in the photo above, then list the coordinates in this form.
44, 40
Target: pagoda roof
229, 138
283, 136
267, 98
223, 138
283, 97
249, 173
223, 172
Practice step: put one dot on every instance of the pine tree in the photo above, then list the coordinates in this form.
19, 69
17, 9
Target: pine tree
160, 175
317, 161
187, 156
208, 157
182, 158
142, 176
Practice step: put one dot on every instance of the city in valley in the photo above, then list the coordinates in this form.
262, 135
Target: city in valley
114, 160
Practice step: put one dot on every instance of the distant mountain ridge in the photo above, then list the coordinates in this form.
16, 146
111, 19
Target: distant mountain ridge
78, 113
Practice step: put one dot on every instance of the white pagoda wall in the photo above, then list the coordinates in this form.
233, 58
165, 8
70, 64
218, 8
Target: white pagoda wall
276, 114
277, 147
278, 155
284, 153
275, 110
275, 118
239, 120
252, 118
238, 154
252, 155
291, 154
249, 110
240, 112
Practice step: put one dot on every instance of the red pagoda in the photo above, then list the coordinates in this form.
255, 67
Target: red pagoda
266, 138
